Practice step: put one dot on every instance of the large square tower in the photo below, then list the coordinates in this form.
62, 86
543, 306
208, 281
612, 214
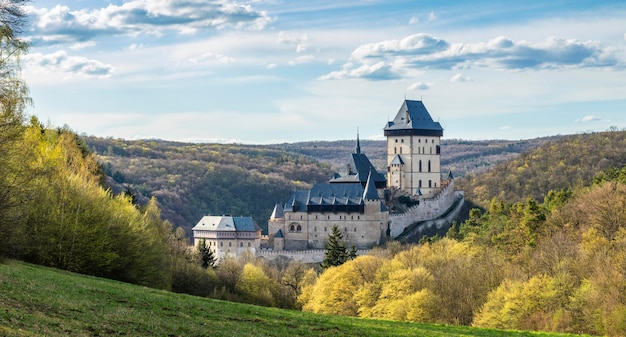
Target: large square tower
414, 151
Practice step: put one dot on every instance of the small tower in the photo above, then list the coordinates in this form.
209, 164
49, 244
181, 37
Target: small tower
414, 150
275, 227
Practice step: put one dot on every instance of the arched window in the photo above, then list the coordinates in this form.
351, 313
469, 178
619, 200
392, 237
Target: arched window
292, 228
230, 244
299, 229
240, 244
221, 244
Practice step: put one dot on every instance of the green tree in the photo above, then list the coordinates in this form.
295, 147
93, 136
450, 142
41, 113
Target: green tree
336, 252
207, 258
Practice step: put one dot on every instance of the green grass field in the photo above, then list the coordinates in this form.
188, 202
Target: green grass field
39, 301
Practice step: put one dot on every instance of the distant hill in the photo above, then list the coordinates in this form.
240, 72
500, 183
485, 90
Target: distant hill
563, 163
192, 180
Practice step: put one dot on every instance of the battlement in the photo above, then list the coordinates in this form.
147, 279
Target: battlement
427, 209
305, 256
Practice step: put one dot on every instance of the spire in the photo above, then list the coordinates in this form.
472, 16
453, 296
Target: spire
370, 189
278, 212
358, 143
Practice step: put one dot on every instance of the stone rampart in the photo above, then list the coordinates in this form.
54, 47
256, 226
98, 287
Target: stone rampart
427, 209
305, 256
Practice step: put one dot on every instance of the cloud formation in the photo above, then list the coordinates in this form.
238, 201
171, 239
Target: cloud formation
60, 61
423, 51
590, 118
420, 86
61, 24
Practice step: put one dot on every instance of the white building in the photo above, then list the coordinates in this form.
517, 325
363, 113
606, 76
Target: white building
228, 236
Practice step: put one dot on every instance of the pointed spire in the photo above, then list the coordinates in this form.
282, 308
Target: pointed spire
450, 175
370, 192
278, 212
358, 143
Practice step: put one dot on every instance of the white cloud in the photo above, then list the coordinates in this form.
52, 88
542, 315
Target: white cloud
61, 62
590, 118
300, 41
432, 16
212, 57
414, 20
61, 24
82, 45
420, 86
423, 51
302, 59
506, 127
378, 71
460, 78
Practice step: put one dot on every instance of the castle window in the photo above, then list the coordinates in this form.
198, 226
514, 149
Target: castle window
299, 229
355, 229
315, 229
352, 217
420, 166
292, 228
438, 149
430, 183
402, 140
431, 150
221, 244
240, 244
401, 150
429, 166
396, 140
324, 229
420, 184
432, 141
328, 219
316, 217
435, 184
419, 140
230, 244
358, 217
249, 245
300, 217
395, 150
345, 229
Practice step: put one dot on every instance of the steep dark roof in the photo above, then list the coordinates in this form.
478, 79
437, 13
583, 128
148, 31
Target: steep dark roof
397, 160
370, 188
279, 234
277, 213
245, 224
413, 119
363, 167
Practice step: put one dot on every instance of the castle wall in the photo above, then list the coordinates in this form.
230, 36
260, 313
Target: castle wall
363, 230
305, 256
428, 208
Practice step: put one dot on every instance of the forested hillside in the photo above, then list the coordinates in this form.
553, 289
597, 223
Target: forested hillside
568, 162
192, 180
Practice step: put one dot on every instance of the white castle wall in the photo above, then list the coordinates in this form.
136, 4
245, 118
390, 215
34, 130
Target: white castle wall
305, 256
428, 209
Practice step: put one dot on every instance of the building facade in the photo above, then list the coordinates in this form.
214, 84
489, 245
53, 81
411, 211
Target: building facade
414, 151
351, 202
228, 236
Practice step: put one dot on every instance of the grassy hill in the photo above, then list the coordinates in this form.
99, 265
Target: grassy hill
38, 301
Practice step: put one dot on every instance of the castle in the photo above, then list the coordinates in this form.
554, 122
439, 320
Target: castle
355, 201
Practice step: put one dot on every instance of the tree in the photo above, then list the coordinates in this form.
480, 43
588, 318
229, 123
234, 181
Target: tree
336, 252
207, 258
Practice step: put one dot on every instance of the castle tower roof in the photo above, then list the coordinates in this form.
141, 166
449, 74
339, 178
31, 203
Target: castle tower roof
370, 192
413, 120
277, 213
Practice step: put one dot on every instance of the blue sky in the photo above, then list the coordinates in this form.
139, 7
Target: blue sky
285, 71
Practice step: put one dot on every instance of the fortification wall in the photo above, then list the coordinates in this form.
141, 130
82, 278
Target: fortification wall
428, 209
305, 256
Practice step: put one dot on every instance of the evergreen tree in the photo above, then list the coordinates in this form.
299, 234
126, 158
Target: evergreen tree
336, 252
207, 259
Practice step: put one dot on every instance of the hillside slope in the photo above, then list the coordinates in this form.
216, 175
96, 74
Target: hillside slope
192, 180
564, 163
39, 301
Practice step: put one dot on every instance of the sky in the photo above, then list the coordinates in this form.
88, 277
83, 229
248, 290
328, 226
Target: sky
274, 71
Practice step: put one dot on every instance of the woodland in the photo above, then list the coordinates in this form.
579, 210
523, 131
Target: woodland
545, 248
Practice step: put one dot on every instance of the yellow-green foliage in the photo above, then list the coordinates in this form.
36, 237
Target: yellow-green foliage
440, 282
